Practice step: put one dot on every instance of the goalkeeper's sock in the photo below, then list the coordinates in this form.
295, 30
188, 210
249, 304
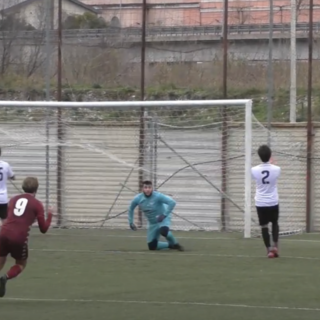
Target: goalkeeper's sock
266, 237
275, 233
162, 245
14, 272
171, 239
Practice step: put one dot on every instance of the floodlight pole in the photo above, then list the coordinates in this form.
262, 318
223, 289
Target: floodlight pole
309, 123
59, 118
47, 81
224, 135
142, 97
270, 72
293, 63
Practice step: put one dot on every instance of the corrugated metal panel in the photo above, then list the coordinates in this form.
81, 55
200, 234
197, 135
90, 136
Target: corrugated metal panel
235, 177
23, 146
316, 181
290, 145
289, 150
197, 201
97, 160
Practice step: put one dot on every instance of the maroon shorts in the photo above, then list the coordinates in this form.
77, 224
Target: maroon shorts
17, 250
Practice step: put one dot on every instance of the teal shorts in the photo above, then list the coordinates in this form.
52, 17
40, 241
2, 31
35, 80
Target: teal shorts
153, 232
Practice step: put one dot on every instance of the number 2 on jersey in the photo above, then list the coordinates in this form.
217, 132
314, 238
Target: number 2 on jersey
266, 174
20, 207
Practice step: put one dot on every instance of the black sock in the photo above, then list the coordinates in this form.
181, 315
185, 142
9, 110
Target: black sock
275, 232
266, 236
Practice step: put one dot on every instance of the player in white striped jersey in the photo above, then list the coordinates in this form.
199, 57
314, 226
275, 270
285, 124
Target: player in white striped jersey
267, 199
5, 174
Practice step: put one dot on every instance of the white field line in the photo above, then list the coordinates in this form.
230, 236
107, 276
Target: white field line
174, 303
135, 236
163, 253
187, 238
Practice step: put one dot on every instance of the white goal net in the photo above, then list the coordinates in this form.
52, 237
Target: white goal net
91, 158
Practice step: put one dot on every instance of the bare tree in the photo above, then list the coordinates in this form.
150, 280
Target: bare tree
34, 57
11, 26
239, 14
300, 5
9, 33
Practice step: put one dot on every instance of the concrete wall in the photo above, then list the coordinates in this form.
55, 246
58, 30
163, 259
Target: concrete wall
206, 52
22, 54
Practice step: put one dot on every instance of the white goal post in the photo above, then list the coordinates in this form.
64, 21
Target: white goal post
90, 158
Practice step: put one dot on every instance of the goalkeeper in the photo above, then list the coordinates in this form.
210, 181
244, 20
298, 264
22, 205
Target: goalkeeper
157, 208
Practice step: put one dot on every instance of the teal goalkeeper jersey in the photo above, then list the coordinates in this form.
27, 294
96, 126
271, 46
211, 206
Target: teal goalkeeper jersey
153, 206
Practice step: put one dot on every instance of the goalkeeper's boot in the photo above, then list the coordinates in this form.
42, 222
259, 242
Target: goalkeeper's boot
176, 246
275, 252
270, 254
3, 283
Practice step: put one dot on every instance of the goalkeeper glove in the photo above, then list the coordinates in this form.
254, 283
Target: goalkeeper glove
133, 227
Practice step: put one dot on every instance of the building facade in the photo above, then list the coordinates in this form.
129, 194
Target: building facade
127, 13
33, 12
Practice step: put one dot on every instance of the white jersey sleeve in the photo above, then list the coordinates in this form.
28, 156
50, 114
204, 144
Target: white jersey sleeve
266, 176
5, 174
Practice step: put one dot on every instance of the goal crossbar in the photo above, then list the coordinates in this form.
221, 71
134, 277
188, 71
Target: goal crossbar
126, 104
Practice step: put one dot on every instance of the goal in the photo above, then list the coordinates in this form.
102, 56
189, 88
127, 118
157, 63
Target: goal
91, 158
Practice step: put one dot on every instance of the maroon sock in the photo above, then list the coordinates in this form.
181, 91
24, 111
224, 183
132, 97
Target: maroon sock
14, 272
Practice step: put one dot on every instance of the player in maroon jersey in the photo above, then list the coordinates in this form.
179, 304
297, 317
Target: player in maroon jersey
23, 210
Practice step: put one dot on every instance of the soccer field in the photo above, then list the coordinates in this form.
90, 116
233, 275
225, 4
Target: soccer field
109, 274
